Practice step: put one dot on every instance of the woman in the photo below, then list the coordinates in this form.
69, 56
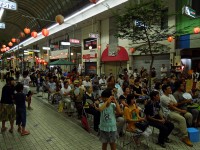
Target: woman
88, 105
111, 82
7, 108
122, 98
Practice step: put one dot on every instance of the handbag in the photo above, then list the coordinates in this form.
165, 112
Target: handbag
142, 125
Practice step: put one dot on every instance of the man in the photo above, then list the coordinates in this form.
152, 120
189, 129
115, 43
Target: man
163, 70
183, 103
172, 112
87, 81
65, 92
156, 119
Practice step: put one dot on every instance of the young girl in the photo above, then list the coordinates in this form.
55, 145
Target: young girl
108, 127
20, 101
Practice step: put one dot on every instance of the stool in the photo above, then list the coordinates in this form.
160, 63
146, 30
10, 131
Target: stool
193, 134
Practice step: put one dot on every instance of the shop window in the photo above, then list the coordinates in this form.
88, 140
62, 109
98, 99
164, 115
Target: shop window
90, 43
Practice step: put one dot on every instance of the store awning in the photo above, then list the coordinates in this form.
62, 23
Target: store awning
121, 55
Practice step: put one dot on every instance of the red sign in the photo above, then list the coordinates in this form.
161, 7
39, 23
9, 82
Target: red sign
75, 41
89, 56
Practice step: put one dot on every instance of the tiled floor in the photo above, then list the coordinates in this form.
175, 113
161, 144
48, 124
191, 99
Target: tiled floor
51, 130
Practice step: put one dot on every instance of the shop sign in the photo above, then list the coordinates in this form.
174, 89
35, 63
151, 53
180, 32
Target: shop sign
8, 5
89, 56
75, 41
188, 11
93, 35
2, 25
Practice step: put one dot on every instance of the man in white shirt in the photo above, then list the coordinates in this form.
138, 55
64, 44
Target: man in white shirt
171, 112
87, 81
163, 70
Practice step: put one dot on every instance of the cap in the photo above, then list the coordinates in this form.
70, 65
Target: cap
76, 81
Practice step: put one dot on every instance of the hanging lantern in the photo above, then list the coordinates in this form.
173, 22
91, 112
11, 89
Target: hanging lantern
17, 40
27, 30
13, 40
170, 39
10, 44
196, 30
94, 1
4, 46
22, 34
34, 34
132, 50
45, 32
59, 19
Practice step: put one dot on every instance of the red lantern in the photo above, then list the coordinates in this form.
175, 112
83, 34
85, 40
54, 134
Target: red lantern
45, 32
10, 44
4, 46
170, 39
34, 34
196, 30
13, 40
27, 30
132, 50
94, 1
17, 40
22, 34
59, 19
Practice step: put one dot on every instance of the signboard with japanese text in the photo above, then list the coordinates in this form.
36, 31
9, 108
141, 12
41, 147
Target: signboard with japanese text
8, 5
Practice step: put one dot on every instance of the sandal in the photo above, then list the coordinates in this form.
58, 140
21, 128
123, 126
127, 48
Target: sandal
25, 133
3, 129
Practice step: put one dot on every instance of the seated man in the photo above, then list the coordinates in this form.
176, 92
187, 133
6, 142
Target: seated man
183, 103
156, 119
65, 92
170, 111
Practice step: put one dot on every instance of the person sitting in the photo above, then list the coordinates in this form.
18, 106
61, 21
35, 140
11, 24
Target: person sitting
175, 114
122, 98
132, 116
183, 103
52, 87
156, 119
88, 105
87, 81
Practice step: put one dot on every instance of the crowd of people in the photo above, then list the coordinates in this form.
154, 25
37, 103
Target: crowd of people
119, 104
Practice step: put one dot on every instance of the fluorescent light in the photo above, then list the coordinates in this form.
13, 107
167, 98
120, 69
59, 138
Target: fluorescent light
46, 48
65, 43
1, 13
26, 51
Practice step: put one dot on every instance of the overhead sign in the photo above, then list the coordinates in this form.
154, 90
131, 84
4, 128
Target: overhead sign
8, 5
2, 25
189, 11
75, 41
93, 35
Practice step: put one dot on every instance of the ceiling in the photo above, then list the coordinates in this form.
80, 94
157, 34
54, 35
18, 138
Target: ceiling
36, 14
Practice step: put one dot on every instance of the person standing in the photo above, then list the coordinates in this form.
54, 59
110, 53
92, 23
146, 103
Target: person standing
163, 71
7, 108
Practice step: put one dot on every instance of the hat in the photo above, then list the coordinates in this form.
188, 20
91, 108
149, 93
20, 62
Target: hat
76, 81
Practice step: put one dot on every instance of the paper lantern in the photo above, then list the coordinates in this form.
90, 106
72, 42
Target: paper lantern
10, 44
27, 30
196, 30
13, 40
34, 34
59, 19
94, 1
22, 34
132, 50
45, 32
4, 46
170, 39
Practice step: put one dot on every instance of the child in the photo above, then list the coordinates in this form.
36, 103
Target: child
20, 101
108, 127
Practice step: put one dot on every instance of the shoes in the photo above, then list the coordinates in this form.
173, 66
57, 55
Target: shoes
167, 140
187, 141
3, 129
162, 145
25, 132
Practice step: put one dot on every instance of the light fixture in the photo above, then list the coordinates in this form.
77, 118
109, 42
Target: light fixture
46, 48
72, 54
65, 43
90, 47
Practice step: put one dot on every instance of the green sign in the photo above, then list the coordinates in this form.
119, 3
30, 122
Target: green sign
189, 11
